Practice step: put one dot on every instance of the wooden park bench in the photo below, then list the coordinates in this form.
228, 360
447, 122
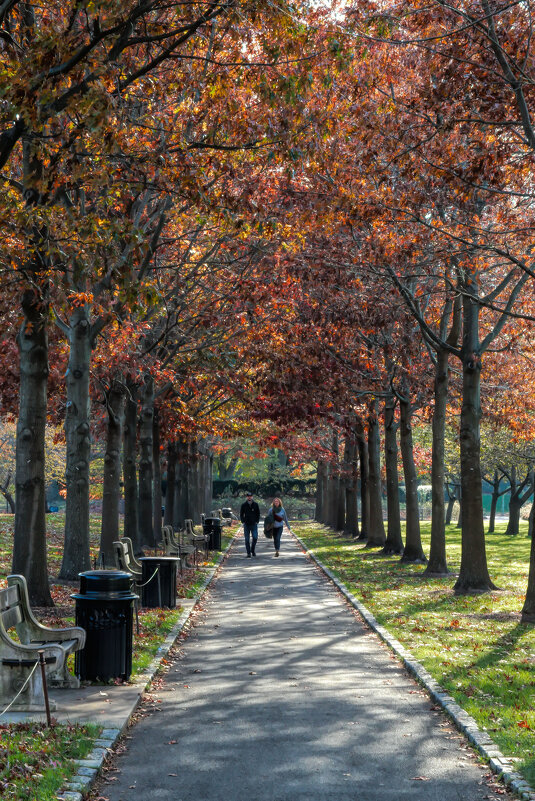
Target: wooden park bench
131, 555
125, 559
178, 548
18, 658
189, 535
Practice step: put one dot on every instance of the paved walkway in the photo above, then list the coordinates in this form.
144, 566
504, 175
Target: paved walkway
280, 693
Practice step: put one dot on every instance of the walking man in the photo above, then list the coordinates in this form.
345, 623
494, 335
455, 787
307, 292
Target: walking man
249, 516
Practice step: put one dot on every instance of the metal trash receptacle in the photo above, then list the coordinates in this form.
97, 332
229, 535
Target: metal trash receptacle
212, 528
104, 608
158, 581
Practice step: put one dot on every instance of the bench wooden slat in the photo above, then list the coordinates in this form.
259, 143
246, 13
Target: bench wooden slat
49, 660
12, 617
9, 597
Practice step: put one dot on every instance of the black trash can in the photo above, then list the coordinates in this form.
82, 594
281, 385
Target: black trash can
212, 528
226, 513
158, 580
104, 608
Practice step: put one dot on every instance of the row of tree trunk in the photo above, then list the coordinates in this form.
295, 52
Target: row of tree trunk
342, 484
133, 453
154, 493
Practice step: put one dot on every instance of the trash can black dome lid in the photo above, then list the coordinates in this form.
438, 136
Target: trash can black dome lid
105, 583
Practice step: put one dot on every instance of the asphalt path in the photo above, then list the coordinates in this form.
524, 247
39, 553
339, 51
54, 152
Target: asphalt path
280, 693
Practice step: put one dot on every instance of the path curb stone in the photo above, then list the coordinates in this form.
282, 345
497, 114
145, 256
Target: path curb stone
501, 765
89, 768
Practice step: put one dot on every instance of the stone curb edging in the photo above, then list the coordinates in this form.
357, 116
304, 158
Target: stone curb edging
501, 765
89, 768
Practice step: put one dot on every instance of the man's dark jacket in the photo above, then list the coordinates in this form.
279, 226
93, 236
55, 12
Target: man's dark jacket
250, 513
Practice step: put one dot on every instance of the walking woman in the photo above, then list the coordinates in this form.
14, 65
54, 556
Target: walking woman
279, 517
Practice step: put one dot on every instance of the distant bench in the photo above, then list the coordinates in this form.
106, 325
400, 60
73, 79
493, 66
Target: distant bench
17, 659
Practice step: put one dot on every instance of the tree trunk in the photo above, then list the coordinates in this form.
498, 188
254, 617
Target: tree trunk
29, 545
438, 565
515, 507
341, 504
76, 556
473, 574
376, 535
351, 502
394, 542
111, 491
201, 470
513, 525
327, 495
449, 510
145, 464
364, 467
494, 502
531, 520
519, 496
179, 510
528, 610
4, 489
194, 482
189, 485
170, 488
333, 487
321, 480
413, 544
210, 484
157, 480
131, 520
226, 471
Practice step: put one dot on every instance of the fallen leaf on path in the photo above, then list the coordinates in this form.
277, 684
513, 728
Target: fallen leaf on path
172, 774
420, 779
172, 742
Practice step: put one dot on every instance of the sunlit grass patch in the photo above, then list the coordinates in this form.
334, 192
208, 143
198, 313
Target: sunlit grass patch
36, 762
475, 646
154, 626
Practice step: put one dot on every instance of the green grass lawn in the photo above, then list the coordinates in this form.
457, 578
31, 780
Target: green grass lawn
474, 646
36, 762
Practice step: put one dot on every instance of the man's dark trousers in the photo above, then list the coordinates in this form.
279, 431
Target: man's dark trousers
250, 532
